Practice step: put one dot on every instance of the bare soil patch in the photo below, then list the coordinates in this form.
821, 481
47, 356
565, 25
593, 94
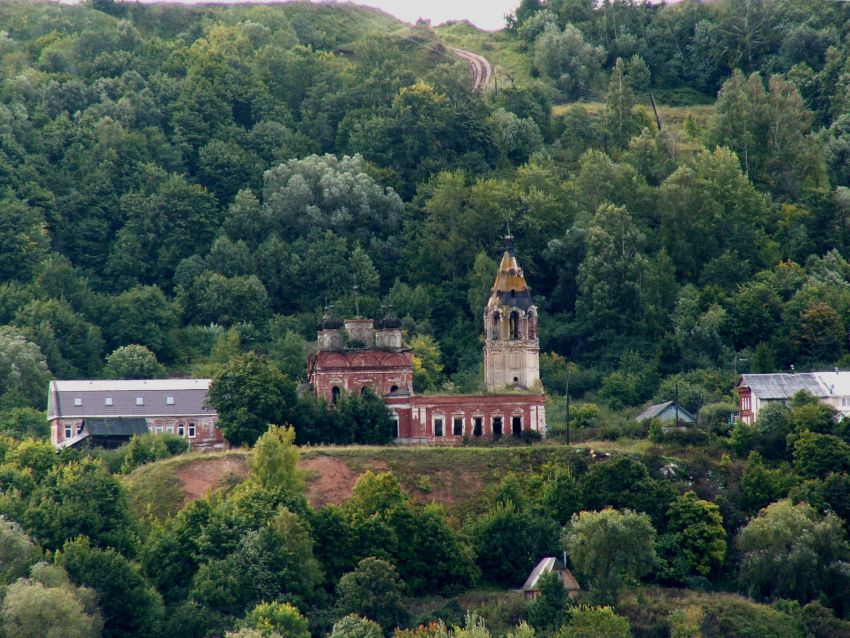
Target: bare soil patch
329, 480
203, 475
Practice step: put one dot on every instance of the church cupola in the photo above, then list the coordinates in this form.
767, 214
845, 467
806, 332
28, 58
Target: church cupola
388, 334
330, 331
511, 347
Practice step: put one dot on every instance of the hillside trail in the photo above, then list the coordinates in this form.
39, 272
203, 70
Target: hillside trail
481, 68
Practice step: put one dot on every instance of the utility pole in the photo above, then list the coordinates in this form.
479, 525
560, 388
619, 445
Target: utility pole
567, 404
676, 402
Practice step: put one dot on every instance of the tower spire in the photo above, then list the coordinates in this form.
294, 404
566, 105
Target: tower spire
511, 347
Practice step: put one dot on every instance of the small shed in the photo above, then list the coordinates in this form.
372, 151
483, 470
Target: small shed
531, 588
108, 432
666, 411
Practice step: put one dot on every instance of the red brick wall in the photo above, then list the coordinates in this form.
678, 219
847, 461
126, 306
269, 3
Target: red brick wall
417, 415
380, 370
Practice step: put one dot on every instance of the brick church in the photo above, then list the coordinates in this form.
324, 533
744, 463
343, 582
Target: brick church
359, 353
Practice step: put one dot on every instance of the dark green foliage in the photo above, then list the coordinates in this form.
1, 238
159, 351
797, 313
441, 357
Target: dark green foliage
81, 499
509, 541
379, 521
133, 362
146, 448
24, 423
695, 541
130, 606
374, 590
549, 609
274, 560
249, 394
625, 483
816, 455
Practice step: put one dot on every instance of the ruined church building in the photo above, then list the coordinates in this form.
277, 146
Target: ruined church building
357, 354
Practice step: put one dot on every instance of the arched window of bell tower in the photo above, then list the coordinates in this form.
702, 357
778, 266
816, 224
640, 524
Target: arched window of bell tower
514, 324
496, 328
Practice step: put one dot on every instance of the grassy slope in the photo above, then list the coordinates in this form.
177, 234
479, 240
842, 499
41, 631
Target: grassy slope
160, 489
459, 477
670, 115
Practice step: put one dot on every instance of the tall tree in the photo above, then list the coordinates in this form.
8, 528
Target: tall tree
249, 394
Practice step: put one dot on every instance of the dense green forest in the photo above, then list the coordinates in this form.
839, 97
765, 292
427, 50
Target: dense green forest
183, 189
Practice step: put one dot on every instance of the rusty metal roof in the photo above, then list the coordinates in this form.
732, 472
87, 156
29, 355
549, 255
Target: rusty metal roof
510, 288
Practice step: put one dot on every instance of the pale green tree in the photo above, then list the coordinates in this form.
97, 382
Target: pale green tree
621, 122
23, 371
567, 58
274, 461
133, 362
595, 622
278, 619
17, 552
354, 626
610, 548
791, 551
31, 610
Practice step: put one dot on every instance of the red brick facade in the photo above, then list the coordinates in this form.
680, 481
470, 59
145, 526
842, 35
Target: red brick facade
382, 371
368, 356
439, 418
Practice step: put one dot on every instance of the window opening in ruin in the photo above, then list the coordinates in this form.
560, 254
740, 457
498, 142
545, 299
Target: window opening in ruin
496, 323
457, 426
478, 426
334, 395
497, 428
438, 427
393, 389
395, 427
514, 325
516, 425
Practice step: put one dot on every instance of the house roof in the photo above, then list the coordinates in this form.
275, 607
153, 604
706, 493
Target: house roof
125, 398
783, 385
546, 565
655, 410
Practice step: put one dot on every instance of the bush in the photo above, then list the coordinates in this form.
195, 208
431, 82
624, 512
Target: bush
147, 448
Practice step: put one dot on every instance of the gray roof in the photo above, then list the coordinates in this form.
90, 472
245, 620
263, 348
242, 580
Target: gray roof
545, 566
783, 385
656, 410
159, 398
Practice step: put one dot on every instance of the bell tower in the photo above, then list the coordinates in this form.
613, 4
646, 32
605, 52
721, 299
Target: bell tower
511, 346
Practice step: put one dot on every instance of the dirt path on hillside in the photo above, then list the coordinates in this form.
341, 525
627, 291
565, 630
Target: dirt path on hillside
208, 474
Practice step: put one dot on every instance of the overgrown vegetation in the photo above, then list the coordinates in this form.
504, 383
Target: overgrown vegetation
183, 189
